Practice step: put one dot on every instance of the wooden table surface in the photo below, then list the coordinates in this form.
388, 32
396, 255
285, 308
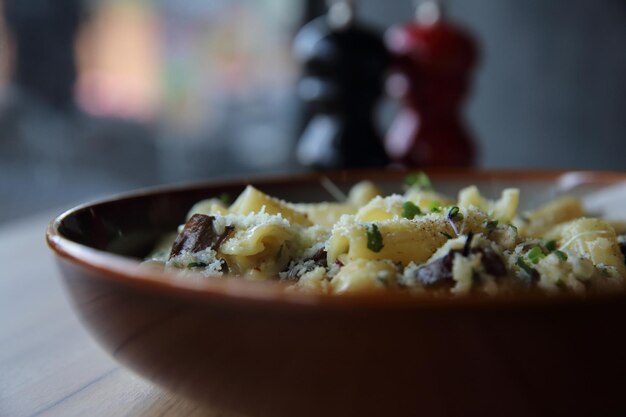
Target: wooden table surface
49, 365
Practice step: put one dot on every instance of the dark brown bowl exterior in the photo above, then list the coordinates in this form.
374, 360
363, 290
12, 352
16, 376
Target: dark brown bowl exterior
252, 349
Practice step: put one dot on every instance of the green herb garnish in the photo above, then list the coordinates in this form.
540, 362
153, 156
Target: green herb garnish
455, 214
419, 180
196, 265
561, 255
448, 235
551, 245
435, 207
513, 227
374, 239
225, 199
522, 264
410, 210
535, 254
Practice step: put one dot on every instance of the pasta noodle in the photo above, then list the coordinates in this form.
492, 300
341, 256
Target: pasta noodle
419, 241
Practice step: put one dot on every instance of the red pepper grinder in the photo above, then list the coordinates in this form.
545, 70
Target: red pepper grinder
433, 62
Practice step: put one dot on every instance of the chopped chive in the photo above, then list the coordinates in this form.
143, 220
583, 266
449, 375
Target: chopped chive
491, 225
448, 235
551, 245
561, 255
410, 210
455, 214
225, 199
535, 254
374, 239
196, 265
419, 180
513, 227
435, 207
523, 265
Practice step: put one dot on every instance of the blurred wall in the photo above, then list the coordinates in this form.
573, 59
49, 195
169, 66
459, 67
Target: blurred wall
551, 90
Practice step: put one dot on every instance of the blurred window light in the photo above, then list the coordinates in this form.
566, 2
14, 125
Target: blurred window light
184, 63
117, 58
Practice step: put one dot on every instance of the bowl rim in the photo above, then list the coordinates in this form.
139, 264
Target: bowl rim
127, 271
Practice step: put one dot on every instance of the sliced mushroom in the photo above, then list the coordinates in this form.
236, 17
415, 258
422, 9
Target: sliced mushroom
492, 262
438, 273
320, 258
199, 234
296, 270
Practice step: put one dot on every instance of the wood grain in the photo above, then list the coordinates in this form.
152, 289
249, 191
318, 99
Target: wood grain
49, 365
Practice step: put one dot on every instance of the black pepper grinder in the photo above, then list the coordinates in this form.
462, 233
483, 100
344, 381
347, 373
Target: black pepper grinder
344, 63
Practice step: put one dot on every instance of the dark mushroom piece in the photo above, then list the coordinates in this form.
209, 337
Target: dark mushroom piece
199, 234
320, 258
492, 262
317, 260
438, 273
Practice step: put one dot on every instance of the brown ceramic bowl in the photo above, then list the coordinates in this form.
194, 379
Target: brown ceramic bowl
253, 349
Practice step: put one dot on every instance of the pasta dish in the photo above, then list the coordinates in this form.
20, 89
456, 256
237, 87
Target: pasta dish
418, 241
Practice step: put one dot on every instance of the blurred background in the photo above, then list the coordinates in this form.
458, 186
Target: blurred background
98, 97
